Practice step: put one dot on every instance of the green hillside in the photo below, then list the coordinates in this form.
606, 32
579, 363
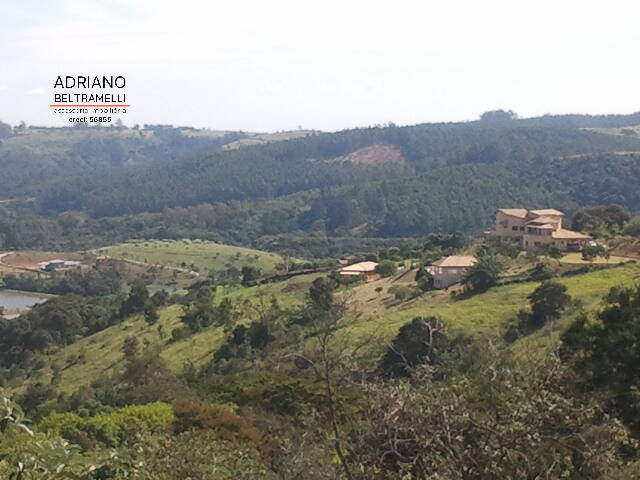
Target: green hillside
378, 320
101, 354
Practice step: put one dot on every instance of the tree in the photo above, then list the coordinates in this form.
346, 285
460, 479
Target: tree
424, 279
200, 313
551, 251
328, 358
548, 301
130, 347
321, 293
590, 252
499, 116
540, 272
225, 314
415, 344
484, 274
137, 300
151, 315
386, 268
250, 275
605, 353
600, 219
632, 228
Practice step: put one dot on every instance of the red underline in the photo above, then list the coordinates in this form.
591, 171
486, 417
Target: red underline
111, 105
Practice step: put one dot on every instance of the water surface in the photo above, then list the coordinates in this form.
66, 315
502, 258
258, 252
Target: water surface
14, 300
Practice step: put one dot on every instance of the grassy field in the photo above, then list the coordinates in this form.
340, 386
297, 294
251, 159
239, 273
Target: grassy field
204, 256
478, 315
264, 138
576, 258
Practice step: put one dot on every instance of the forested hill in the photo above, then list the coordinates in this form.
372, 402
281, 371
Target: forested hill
489, 152
385, 181
34, 156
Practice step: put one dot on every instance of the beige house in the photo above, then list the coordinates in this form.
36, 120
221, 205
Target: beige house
366, 270
535, 228
450, 270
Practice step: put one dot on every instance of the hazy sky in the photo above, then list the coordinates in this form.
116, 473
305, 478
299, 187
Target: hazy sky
274, 65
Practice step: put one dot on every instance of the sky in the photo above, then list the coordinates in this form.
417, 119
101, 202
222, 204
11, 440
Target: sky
276, 65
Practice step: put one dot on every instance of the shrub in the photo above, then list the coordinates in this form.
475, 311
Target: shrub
194, 414
109, 428
540, 272
403, 292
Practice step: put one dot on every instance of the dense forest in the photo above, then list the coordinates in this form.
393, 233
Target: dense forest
378, 182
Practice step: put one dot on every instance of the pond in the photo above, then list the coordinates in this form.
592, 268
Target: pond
14, 300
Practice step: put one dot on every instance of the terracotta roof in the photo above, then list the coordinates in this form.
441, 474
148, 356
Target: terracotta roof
459, 261
543, 220
547, 211
514, 212
357, 268
561, 233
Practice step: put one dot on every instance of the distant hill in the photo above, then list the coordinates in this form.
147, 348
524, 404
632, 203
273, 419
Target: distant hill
386, 181
35, 156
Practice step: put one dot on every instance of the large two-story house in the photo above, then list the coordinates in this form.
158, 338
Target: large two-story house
535, 228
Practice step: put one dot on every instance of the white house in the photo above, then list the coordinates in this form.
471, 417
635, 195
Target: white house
450, 270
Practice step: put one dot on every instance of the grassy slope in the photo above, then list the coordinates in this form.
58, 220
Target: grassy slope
480, 314
380, 319
102, 352
206, 256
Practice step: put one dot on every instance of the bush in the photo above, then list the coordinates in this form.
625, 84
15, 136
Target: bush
403, 292
540, 273
194, 414
110, 429
180, 333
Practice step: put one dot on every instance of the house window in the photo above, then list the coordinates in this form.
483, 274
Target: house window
514, 228
522, 229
